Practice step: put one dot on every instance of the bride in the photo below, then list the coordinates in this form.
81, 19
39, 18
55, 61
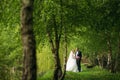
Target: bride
71, 63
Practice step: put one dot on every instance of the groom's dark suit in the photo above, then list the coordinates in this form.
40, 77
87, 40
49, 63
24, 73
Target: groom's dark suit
78, 60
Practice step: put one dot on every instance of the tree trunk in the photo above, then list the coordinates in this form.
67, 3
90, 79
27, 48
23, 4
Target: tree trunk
57, 70
118, 55
65, 57
55, 50
28, 41
111, 64
65, 41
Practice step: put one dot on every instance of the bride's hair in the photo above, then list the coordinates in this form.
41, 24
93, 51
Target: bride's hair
73, 50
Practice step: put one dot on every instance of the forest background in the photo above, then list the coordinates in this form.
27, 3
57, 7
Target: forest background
60, 26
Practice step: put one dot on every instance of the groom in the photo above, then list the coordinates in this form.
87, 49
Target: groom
78, 58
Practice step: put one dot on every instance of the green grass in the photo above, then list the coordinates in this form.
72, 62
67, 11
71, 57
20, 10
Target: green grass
95, 73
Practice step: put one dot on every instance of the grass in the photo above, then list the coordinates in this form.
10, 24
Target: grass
95, 73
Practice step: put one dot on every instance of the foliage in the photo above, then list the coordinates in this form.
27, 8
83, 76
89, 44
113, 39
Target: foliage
86, 21
45, 60
10, 54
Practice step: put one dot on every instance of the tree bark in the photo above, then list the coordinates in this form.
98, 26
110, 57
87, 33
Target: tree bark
28, 41
111, 65
118, 55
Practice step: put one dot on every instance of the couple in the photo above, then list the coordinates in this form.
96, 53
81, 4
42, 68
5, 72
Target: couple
74, 61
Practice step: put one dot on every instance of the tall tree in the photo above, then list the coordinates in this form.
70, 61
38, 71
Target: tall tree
65, 41
55, 44
28, 41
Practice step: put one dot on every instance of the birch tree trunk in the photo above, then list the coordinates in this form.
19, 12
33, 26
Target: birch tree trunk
111, 60
28, 41
118, 55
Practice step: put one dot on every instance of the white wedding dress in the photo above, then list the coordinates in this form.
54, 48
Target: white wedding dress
71, 63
